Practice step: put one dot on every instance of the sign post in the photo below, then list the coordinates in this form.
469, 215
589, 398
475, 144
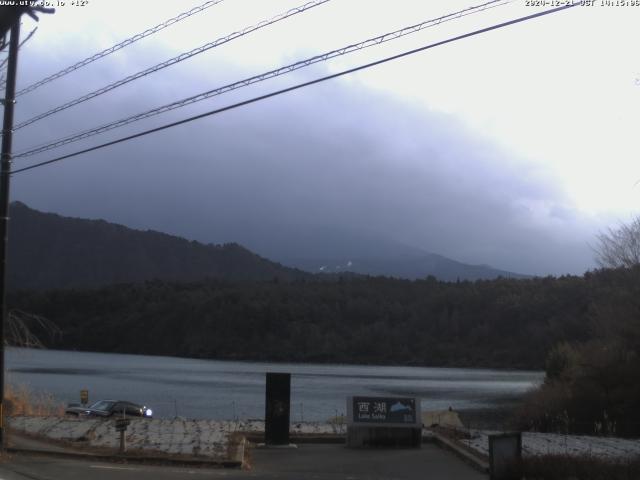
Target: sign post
121, 426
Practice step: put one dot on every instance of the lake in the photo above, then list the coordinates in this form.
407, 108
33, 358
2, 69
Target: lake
227, 390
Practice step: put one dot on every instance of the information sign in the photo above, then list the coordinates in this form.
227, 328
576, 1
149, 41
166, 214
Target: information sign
122, 424
384, 410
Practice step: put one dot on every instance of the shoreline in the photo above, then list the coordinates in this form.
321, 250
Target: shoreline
463, 366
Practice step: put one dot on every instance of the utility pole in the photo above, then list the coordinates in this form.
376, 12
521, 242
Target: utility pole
9, 19
5, 172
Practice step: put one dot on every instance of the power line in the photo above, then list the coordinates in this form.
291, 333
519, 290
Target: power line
259, 78
298, 86
119, 46
173, 61
27, 38
4, 62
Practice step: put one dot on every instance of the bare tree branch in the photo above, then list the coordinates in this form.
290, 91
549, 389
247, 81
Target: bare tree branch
22, 326
619, 247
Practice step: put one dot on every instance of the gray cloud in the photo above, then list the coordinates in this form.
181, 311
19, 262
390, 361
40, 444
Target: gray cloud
334, 156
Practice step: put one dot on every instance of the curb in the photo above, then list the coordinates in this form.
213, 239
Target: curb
302, 439
474, 461
329, 439
149, 459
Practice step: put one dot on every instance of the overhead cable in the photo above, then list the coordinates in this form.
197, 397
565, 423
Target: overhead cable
3, 82
297, 87
259, 78
173, 61
119, 46
27, 38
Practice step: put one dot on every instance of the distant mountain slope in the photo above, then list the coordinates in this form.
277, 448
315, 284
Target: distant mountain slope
412, 268
50, 251
336, 250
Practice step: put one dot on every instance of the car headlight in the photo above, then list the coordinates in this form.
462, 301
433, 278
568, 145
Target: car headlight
148, 412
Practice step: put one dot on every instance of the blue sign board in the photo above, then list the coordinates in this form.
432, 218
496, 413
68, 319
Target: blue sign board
384, 410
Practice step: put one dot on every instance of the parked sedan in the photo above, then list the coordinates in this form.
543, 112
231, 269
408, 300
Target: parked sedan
106, 408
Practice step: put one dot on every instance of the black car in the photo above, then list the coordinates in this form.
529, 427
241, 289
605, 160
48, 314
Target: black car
106, 408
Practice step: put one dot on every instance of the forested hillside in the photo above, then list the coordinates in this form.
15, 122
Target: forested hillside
585, 331
50, 251
498, 323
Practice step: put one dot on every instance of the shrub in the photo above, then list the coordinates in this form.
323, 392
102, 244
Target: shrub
22, 401
562, 467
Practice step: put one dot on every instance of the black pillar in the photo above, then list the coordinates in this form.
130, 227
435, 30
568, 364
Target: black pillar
277, 409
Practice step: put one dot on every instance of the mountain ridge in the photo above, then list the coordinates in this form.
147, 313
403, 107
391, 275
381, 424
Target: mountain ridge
48, 250
411, 268
326, 249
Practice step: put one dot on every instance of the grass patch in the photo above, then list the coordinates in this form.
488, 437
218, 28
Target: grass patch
338, 424
21, 400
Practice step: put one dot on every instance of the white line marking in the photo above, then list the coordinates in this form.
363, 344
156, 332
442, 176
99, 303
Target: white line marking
221, 473
110, 467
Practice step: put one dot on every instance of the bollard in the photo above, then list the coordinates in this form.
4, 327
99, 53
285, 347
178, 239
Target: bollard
505, 456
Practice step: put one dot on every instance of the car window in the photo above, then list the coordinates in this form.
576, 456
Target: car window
102, 405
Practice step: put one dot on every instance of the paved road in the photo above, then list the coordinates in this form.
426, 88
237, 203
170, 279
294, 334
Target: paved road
317, 462
337, 462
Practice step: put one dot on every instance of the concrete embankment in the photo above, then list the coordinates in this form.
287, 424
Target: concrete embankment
204, 440
223, 443
211, 441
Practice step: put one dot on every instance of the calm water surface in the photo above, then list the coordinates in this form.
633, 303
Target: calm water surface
226, 390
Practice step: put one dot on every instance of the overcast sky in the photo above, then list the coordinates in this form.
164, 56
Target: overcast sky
512, 148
